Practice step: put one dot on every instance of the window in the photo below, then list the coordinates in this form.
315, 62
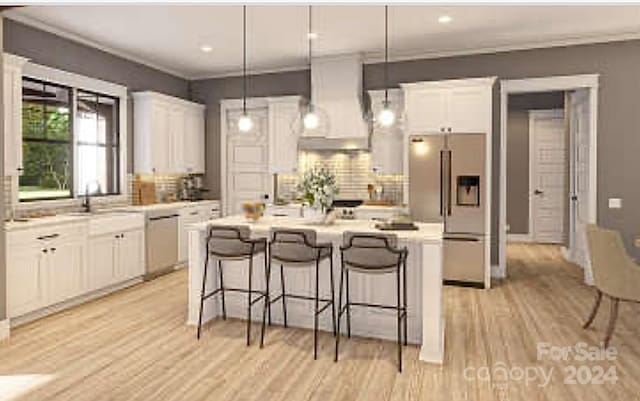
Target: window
46, 141
97, 144
71, 141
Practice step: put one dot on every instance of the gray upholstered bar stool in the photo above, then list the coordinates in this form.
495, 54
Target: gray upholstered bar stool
299, 248
373, 253
226, 243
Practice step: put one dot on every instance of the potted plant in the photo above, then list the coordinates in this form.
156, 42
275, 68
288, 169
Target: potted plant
318, 189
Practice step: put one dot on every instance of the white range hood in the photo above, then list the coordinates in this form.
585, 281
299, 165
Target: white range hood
336, 91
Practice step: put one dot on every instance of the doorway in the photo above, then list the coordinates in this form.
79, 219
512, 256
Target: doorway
561, 188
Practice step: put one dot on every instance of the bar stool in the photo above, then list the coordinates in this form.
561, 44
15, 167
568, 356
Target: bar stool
232, 243
299, 248
372, 253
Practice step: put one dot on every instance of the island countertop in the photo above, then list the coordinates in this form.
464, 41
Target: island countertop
425, 232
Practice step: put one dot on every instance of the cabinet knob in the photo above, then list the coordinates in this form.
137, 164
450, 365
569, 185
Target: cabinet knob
449, 129
45, 250
53, 250
441, 129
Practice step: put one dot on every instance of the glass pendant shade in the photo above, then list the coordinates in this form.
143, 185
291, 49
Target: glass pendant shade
387, 116
245, 123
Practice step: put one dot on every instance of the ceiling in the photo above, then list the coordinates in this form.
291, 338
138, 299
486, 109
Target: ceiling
169, 37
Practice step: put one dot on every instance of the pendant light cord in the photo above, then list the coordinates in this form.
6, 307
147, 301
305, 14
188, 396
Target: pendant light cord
386, 56
309, 48
244, 60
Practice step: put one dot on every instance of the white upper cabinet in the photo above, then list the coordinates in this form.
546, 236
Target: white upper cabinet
386, 143
12, 103
460, 106
283, 138
168, 134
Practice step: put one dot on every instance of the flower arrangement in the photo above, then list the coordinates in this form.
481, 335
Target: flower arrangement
318, 188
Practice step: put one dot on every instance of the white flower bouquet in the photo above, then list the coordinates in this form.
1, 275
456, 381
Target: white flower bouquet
318, 188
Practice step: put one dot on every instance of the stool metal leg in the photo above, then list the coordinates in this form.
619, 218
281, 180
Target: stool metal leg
284, 301
249, 299
346, 275
204, 286
406, 316
315, 311
339, 310
224, 307
267, 272
333, 294
399, 310
267, 303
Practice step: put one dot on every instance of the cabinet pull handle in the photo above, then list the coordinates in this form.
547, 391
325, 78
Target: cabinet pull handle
122, 235
193, 213
45, 237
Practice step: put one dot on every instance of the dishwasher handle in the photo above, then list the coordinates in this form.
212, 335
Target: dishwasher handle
169, 216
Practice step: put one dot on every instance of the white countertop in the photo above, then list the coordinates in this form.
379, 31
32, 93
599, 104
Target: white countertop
69, 218
425, 233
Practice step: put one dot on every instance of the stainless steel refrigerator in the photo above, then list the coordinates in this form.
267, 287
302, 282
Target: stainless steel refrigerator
447, 185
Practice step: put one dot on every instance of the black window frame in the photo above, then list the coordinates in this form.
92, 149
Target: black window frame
116, 151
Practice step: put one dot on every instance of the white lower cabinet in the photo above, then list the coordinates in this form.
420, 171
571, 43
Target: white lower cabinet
65, 270
206, 210
25, 289
53, 264
44, 267
115, 258
102, 261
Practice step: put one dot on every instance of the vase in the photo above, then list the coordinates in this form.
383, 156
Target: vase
313, 215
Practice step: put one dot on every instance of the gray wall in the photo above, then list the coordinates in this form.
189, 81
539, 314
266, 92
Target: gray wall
619, 119
57, 52
518, 153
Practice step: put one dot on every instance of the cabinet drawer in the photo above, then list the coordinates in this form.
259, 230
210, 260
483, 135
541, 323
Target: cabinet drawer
116, 223
47, 235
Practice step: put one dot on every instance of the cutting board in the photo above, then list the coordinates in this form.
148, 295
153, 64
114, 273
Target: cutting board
145, 191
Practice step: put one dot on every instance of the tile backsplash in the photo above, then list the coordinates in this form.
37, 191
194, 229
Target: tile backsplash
166, 185
353, 174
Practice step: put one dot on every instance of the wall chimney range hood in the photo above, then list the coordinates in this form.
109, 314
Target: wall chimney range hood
336, 90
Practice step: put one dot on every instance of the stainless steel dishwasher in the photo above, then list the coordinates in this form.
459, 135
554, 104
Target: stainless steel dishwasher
162, 241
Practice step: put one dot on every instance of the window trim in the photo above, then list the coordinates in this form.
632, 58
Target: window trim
88, 84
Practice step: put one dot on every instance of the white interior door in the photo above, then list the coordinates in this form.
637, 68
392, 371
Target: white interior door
547, 183
248, 177
580, 148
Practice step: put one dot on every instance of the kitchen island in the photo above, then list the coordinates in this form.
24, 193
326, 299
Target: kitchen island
424, 283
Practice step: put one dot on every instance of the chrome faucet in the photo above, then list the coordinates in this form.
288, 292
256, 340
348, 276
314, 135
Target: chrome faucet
86, 204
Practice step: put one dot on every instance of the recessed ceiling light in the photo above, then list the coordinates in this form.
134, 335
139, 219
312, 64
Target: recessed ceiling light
206, 48
444, 19
312, 35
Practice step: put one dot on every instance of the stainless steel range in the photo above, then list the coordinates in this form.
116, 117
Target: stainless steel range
345, 208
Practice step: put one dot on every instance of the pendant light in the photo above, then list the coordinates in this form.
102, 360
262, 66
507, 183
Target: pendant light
387, 116
314, 119
245, 123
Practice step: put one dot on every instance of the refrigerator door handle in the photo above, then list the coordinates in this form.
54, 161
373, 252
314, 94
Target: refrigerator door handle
442, 182
449, 158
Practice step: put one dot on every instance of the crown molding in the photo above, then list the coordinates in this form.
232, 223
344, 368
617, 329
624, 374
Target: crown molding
17, 16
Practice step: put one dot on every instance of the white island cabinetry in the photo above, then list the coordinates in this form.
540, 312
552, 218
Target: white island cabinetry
424, 278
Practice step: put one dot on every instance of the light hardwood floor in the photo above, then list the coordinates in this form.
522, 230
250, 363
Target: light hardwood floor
134, 345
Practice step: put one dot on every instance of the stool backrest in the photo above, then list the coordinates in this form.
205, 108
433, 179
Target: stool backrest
229, 241
293, 245
374, 252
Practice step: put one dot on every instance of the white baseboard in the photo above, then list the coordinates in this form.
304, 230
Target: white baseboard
40, 313
4, 330
519, 238
497, 272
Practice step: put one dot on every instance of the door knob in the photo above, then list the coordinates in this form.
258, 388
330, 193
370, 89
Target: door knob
538, 192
